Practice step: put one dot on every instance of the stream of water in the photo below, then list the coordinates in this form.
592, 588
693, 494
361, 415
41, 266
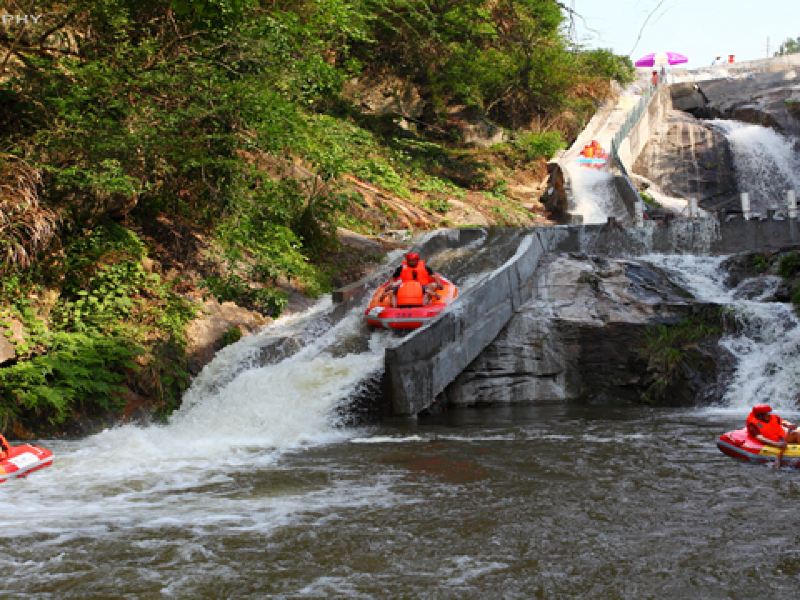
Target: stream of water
766, 163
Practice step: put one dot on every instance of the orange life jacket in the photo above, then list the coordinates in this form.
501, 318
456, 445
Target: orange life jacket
772, 430
410, 294
418, 273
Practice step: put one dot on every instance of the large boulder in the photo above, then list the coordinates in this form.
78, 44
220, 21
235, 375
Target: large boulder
591, 333
385, 95
769, 99
688, 159
218, 324
12, 332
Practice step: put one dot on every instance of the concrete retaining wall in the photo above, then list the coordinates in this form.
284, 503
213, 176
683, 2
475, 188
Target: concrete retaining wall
682, 236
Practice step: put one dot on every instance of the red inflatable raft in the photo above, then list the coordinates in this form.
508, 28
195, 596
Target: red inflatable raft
738, 444
19, 461
411, 311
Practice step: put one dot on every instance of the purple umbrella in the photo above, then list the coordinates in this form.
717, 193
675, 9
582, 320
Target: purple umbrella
661, 58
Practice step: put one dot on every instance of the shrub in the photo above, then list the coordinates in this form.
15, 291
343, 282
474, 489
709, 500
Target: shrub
789, 265
80, 372
535, 145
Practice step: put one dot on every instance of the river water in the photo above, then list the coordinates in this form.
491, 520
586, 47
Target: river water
257, 488
525, 502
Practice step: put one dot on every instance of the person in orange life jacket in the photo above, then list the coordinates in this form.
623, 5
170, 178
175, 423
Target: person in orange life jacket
769, 428
414, 269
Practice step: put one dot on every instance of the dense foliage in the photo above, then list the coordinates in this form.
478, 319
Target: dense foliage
226, 119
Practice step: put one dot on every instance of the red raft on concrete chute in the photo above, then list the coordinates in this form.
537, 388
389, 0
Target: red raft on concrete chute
742, 446
412, 310
20, 461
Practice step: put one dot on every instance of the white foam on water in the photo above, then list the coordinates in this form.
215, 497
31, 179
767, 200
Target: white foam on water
766, 344
133, 476
594, 193
414, 439
766, 163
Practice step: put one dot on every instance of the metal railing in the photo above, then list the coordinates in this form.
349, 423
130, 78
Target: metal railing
633, 117
631, 121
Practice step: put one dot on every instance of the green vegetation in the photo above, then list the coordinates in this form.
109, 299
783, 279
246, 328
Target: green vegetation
109, 324
789, 265
533, 145
669, 349
648, 199
759, 263
168, 147
789, 269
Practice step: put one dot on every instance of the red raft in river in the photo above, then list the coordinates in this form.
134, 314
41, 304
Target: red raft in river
19, 461
738, 444
411, 311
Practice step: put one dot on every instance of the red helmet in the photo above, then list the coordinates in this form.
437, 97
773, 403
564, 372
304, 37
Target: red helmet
759, 409
412, 257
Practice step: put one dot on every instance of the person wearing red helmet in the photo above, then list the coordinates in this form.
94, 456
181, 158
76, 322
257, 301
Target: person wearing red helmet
769, 428
414, 268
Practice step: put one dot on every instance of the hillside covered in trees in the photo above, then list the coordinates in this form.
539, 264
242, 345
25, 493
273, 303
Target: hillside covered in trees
157, 153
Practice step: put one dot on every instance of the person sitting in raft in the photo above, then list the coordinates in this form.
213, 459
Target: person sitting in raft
414, 269
769, 428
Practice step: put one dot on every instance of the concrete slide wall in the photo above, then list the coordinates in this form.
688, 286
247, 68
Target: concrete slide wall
421, 367
630, 147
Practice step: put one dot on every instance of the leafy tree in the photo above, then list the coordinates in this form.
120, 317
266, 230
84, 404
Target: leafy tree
790, 46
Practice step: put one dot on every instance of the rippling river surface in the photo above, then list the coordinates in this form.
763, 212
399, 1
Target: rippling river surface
521, 502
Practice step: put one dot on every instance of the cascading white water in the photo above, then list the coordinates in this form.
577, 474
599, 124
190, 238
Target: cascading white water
767, 342
126, 475
766, 163
594, 194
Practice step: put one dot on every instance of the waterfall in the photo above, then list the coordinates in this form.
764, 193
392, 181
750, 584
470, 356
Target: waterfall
766, 163
593, 192
766, 335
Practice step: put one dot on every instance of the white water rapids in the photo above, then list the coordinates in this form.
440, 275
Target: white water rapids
766, 342
766, 162
240, 415
595, 195
146, 477
251, 491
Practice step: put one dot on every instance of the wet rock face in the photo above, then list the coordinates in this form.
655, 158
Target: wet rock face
688, 159
589, 334
769, 99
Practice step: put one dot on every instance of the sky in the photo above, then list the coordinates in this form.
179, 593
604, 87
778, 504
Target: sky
699, 29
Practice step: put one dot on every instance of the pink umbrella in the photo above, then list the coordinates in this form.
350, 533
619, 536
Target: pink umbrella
661, 58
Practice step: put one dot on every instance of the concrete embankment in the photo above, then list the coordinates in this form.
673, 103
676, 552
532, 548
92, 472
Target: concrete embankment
420, 368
